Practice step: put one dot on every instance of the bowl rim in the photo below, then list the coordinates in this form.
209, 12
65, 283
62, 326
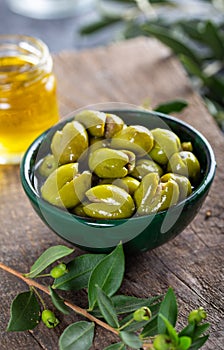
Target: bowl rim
25, 170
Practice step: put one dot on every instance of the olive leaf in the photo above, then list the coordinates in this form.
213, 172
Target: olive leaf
197, 344
58, 302
48, 257
24, 313
168, 309
130, 339
78, 336
171, 106
79, 270
167, 37
106, 307
124, 304
151, 328
107, 274
169, 329
117, 346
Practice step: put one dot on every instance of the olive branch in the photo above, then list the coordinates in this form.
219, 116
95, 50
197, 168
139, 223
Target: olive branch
137, 323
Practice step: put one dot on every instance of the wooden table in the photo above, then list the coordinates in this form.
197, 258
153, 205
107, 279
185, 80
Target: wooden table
192, 263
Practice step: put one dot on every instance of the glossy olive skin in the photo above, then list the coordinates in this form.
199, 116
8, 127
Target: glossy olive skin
111, 163
185, 163
93, 121
183, 183
135, 138
69, 143
65, 187
102, 168
166, 143
48, 165
128, 183
152, 196
109, 202
145, 166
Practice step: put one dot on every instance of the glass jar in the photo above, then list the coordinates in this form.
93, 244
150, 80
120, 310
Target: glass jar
28, 103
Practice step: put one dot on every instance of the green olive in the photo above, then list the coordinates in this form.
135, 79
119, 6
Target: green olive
114, 124
93, 121
59, 270
78, 210
166, 143
185, 163
182, 181
187, 146
135, 138
47, 166
109, 202
152, 196
65, 187
145, 166
69, 143
145, 193
49, 318
110, 163
128, 183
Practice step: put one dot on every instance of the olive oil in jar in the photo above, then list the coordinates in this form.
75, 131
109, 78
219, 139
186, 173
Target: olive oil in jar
28, 102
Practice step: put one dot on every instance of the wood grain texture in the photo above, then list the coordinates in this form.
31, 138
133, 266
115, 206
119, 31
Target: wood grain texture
193, 263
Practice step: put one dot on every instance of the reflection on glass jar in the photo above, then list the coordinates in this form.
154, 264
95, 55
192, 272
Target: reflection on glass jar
28, 103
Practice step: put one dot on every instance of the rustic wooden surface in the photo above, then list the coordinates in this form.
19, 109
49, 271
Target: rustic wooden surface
193, 263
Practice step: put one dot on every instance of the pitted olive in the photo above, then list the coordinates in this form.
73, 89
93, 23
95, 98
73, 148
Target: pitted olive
69, 143
145, 193
48, 165
128, 183
183, 183
111, 163
93, 121
109, 202
135, 138
153, 196
114, 124
145, 166
65, 187
185, 163
166, 143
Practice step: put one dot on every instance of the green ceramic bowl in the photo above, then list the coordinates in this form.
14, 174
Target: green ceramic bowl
138, 234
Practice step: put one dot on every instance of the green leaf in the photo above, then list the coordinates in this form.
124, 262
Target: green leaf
102, 23
200, 329
184, 343
117, 346
107, 309
171, 106
124, 304
170, 329
130, 339
78, 336
167, 38
211, 35
24, 313
192, 67
151, 328
188, 330
50, 255
168, 309
197, 344
108, 275
79, 270
58, 302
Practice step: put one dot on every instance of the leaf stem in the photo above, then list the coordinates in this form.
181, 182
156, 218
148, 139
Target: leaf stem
44, 289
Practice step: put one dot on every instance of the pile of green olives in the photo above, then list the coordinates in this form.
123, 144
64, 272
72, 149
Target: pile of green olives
100, 167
